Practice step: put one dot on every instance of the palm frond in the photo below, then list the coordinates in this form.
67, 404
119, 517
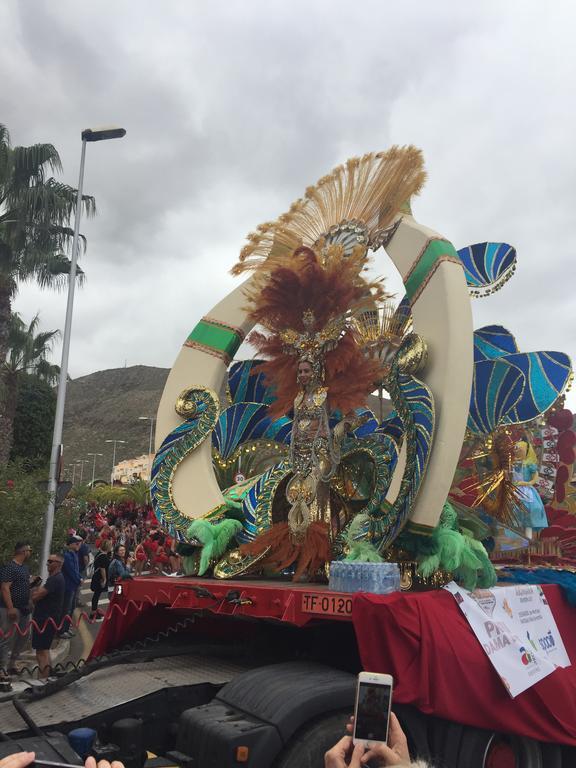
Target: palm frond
47, 371
4, 157
30, 163
4, 135
27, 349
35, 214
49, 272
68, 193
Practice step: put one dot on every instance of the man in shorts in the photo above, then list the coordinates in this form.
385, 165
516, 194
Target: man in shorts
48, 600
14, 608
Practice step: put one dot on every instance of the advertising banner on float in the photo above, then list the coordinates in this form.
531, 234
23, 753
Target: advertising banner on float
516, 628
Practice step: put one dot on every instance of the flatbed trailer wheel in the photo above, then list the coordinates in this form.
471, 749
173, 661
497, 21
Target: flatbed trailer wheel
568, 756
486, 749
306, 749
415, 726
552, 756
444, 738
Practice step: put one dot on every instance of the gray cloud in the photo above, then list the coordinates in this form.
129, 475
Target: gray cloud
233, 108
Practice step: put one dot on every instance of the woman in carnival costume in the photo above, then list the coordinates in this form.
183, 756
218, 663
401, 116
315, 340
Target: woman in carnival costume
307, 309
524, 475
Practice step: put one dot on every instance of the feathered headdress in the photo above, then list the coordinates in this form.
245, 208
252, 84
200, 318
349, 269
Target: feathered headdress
308, 282
352, 206
307, 309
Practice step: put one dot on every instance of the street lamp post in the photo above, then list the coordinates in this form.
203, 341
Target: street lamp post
152, 420
114, 458
86, 136
81, 463
94, 466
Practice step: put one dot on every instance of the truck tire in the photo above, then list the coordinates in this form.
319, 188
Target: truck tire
552, 755
486, 749
568, 756
444, 738
306, 749
415, 726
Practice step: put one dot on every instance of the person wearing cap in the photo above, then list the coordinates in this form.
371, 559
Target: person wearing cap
72, 581
48, 601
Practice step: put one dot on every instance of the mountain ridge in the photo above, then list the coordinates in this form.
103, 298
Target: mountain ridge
106, 405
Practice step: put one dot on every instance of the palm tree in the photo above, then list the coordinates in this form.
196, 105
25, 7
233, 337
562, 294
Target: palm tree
27, 351
35, 212
139, 493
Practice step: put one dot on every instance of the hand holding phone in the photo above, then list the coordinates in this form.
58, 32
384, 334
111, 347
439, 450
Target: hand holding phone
372, 708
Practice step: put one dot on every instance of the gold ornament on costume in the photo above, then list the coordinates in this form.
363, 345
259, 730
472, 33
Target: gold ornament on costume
384, 333
495, 491
185, 406
413, 354
312, 346
380, 331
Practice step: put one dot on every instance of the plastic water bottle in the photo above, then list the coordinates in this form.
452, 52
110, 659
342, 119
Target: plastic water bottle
396, 577
335, 580
356, 573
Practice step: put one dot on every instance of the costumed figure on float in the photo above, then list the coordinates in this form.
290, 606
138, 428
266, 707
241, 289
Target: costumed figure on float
316, 367
525, 477
290, 469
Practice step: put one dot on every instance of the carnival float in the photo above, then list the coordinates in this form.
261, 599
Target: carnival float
277, 466
285, 475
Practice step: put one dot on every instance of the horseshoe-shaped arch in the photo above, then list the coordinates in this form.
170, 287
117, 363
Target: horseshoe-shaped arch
436, 287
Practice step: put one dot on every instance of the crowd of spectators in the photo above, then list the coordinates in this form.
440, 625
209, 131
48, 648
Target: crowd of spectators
147, 547
110, 544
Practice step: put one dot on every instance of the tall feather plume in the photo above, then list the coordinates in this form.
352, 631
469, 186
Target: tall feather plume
370, 189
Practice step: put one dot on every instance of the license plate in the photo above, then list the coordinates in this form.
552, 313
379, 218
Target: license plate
326, 605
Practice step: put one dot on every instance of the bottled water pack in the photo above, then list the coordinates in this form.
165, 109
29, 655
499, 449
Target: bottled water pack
351, 576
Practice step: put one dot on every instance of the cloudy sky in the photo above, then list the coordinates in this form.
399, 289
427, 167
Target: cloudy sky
232, 107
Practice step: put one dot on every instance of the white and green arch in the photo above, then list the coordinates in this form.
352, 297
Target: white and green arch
436, 287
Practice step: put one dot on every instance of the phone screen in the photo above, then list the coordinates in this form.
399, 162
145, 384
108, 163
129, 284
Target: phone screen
373, 710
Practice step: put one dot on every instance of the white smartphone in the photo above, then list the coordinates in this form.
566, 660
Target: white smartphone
372, 709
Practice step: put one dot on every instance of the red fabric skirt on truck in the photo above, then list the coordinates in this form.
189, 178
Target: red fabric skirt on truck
439, 666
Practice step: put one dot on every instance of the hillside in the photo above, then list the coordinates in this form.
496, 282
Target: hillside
106, 405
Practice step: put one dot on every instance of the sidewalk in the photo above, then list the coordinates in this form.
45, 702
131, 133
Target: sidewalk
59, 653
62, 650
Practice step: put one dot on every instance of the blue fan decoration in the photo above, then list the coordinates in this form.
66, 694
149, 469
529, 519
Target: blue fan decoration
547, 374
496, 388
247, 385
493, 341
248, 421
487, 266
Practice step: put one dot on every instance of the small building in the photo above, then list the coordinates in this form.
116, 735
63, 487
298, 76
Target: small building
130, 470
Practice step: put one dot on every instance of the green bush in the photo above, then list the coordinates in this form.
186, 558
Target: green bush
23, 503
33, 422
138, 492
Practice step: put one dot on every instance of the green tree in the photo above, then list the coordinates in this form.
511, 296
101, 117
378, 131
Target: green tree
139, 493
35, 212
33, 421
23, 502
27, 350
